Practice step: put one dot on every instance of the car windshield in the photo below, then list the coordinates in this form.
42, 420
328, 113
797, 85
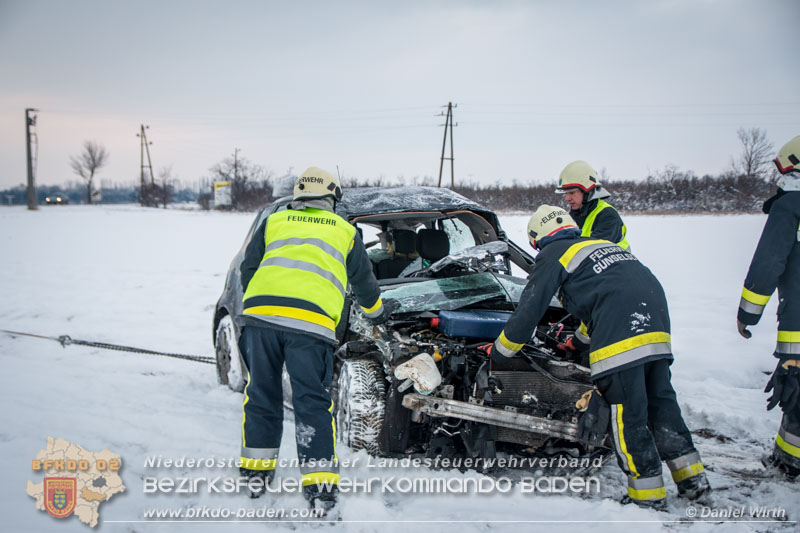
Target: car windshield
454, 293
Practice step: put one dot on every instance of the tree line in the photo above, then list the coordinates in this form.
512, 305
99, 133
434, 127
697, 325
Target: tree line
741, 188
670, 190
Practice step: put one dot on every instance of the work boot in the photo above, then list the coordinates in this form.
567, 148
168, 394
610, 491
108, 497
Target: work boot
694, 487
257, 488
321, 497
656, 505
774, 464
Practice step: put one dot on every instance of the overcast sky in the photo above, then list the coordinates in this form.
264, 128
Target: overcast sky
627, 86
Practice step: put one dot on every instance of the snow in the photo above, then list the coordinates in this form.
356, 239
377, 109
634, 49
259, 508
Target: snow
371, 200
150, 278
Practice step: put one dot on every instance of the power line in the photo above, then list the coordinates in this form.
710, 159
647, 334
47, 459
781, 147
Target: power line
709, 104
406, 118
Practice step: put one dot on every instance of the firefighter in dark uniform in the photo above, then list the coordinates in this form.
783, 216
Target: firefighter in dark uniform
776, 264
625, 310
294, 275
595, 217
585, 195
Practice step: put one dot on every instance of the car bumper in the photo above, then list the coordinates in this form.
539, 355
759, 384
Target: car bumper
443, 407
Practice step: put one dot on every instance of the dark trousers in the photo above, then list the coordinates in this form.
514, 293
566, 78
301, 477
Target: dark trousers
309, 363
647, 426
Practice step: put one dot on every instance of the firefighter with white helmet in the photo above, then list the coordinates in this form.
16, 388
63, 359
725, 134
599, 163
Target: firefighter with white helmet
585, 196
625, 310
294, 275
316, 184
776, 265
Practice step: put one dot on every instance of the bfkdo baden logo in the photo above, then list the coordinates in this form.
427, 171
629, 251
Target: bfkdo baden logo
59, 495
76, 480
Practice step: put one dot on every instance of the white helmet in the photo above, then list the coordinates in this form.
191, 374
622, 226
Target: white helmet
548, 220
788, 159
316, 183
581, 175
788, 163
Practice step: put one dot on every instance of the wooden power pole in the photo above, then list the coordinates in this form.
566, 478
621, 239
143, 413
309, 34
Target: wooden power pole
30, 121
448, 123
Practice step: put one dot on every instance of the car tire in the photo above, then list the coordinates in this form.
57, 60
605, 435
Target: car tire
360, 404
230, 367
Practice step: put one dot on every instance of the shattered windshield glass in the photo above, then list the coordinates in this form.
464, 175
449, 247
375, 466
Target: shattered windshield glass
454, 293
474, 253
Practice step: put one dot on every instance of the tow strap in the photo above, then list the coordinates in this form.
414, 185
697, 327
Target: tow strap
66, 340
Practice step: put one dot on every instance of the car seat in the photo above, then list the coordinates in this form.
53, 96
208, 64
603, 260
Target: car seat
433, 244
404, 244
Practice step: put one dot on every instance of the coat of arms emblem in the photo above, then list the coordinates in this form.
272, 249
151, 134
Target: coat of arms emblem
60, 495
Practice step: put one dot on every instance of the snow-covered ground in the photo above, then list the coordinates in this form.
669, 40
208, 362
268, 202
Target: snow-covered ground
150, 278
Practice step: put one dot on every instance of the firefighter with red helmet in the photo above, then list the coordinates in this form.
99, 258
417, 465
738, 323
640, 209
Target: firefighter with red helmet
585, 196
776, 264
625, 311
596, 218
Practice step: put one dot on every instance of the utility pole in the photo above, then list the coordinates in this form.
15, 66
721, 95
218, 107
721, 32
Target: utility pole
30, 121
145, 147
149, 162
235, 163
448, 123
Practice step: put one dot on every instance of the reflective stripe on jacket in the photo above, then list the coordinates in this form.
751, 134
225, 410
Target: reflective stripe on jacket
617, 224
622, 304
302, 278
776, 264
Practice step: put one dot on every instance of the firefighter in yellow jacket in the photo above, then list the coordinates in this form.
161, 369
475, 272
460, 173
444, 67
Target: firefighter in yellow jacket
294, 275
776, 264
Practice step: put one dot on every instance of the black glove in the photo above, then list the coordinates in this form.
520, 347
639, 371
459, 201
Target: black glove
593, 422
743, 331
389, 307
489, 350
785, 386
380, 319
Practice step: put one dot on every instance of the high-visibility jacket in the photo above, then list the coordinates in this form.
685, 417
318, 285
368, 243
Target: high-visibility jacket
776, 264
296, 270
600, 220
621, 302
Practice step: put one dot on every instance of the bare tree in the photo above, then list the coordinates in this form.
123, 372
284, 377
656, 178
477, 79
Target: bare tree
166, 177
92, 159
251, 184
757, 153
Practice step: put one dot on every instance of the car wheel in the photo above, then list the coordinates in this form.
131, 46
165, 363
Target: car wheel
230, 369
360, 404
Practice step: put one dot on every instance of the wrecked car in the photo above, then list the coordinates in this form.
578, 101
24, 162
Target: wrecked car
418, 384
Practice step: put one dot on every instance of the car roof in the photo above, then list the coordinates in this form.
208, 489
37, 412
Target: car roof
376, 200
